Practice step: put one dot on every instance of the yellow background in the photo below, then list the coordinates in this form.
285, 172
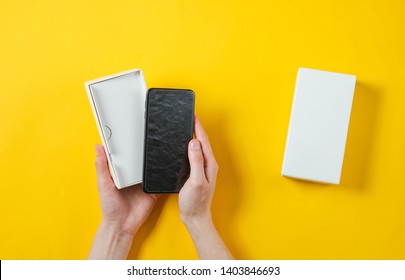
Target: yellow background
241, 58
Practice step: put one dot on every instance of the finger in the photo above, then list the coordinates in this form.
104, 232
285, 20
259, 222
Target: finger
196, 159
210, 164
103, 173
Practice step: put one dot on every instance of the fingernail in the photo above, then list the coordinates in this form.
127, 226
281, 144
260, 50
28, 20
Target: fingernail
195, 145
96, 151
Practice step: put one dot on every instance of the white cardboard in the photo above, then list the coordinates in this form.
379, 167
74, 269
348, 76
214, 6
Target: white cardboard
118, 104
318, 126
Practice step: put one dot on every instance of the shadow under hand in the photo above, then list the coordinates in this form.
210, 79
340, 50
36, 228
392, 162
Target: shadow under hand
228, 190
146, 228
360, 138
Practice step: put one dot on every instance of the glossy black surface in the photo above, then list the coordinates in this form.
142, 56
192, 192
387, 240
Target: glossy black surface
169, 128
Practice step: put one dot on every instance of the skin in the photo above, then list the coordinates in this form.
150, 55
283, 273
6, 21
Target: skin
196, 196
124, 211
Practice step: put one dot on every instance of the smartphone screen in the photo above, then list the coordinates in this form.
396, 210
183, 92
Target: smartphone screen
169, 125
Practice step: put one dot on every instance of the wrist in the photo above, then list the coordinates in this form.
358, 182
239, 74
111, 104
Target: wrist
198, 223
206, 239
116, 231
111, 243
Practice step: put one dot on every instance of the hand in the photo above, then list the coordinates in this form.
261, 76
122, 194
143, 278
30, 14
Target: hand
124, 209
196, 195
123, 212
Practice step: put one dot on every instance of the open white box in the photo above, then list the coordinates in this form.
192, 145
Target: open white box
118, 104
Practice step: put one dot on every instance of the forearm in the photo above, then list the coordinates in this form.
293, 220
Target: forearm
110, 244
207, 240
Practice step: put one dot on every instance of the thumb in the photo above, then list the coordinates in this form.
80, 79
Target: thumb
103, 173
196, 159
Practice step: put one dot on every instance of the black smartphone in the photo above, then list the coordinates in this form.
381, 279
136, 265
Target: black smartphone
169, 126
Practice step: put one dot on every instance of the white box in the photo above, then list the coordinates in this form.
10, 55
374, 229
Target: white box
318, 126
118, 104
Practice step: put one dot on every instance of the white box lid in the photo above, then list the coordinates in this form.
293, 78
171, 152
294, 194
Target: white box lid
318, 126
